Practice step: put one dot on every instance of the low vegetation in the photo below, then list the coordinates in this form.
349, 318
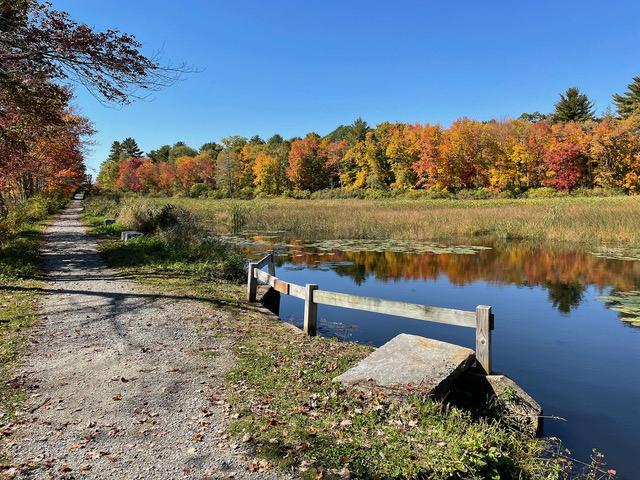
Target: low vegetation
281, 399
590, 221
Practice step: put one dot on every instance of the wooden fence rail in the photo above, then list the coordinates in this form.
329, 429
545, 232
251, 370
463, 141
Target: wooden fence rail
481, 319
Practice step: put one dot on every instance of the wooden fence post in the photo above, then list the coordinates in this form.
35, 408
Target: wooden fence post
272, 264
483, 338
252, 283
310, 310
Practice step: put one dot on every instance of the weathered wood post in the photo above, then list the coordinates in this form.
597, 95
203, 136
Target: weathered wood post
310, 310
483, 338
272, 264
252, 282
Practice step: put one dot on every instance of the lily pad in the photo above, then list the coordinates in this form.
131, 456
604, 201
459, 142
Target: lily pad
396, 246
328, 247
625, 303
618, 253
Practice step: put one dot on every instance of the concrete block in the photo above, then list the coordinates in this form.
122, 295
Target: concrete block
130, 235
425, 364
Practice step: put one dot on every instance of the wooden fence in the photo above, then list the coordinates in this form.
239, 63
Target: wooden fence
481, 319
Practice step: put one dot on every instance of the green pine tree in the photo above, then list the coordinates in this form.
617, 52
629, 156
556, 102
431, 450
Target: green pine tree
573, 106
629, 103
130, 148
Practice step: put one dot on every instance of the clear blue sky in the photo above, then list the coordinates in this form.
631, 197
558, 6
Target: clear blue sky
290, 67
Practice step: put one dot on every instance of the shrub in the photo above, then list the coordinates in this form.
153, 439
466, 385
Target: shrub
215, 193
147, 219
245, 193
427, 194
338, 193
474, 194
377, 193
103, 206
198, 190
544, 192
597, 192
297, 194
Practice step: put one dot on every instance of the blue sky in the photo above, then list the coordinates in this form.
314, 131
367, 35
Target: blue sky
291, 67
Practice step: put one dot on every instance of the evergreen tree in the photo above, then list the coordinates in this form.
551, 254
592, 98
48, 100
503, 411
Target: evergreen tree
115, 152
534, 117
352, 134
130, 148
161, 154
573, 106
629, 103
212, 147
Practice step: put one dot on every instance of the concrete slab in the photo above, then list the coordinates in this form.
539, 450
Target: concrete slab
129, 235
425, 364
488, 394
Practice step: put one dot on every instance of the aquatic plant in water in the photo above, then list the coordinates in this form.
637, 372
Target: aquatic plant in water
626, 303
618, 253
395, 246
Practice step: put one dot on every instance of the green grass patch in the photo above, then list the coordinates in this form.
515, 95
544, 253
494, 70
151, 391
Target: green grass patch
19, 270
291, 412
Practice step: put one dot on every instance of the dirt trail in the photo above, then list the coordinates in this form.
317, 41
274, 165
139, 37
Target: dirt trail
118, 385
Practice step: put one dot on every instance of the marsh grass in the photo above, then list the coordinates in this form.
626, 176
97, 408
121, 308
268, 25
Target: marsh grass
582, 220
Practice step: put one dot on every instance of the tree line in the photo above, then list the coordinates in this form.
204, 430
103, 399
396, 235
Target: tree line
566, 149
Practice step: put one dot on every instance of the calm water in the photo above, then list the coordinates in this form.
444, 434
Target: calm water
552, 334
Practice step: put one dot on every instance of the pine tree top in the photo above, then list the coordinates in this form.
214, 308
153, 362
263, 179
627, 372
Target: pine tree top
574, 106
629, 103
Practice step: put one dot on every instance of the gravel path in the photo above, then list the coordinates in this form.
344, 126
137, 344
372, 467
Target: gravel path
118, 384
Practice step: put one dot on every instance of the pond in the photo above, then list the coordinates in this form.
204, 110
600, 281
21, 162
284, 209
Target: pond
567, 323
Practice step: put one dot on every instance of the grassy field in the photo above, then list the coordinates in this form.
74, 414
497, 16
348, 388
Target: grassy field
283, 403
585, 220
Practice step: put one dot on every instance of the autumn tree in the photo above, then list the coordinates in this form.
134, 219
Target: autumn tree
180, 149
565, 157
161, 154
308, 168
228, 171
266, 173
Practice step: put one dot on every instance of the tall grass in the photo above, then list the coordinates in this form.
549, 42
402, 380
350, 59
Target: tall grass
586, 220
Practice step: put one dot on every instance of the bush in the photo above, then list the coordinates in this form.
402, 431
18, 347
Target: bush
597, 192
198, 190
481, 193
147, 219
103, 206
30, 211
427, 194
338, 193
216, 194
297, 194
544, 192
377, 193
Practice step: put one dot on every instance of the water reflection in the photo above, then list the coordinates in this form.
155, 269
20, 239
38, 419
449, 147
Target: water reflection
564, 274
559, 335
